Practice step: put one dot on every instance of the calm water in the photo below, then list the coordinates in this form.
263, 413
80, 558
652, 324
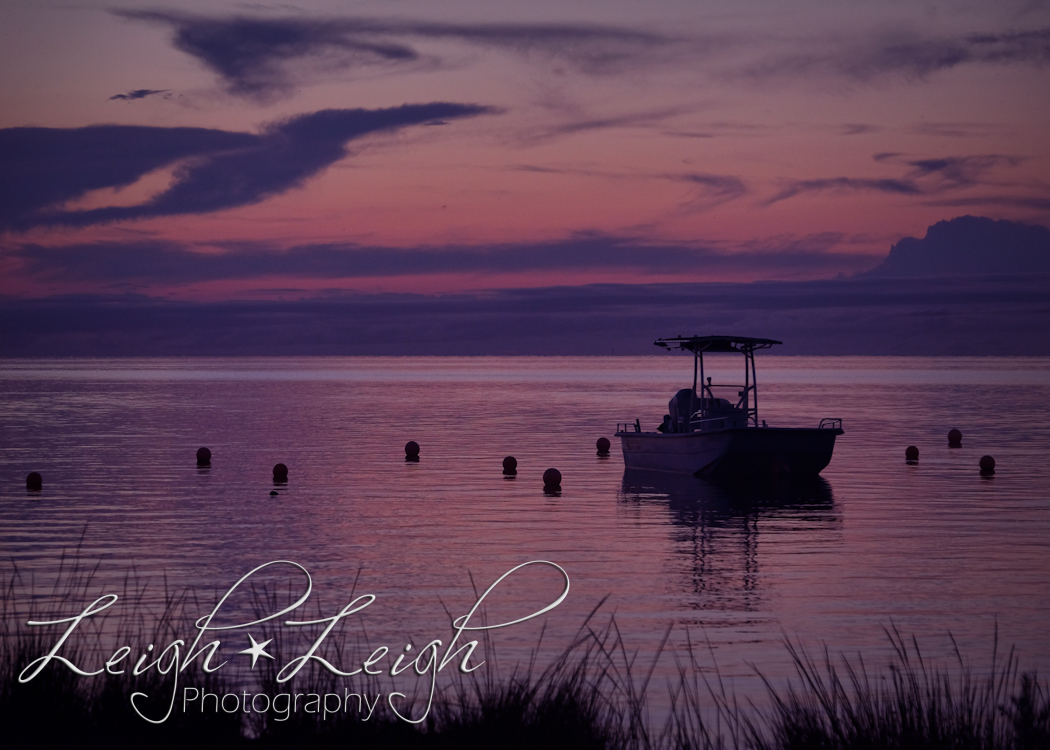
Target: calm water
932, 548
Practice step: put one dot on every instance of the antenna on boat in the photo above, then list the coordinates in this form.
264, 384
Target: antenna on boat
692, 393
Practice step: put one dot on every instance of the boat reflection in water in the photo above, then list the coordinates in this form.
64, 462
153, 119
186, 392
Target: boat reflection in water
738, 537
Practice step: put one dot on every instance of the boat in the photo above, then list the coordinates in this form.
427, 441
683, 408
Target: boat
715, 431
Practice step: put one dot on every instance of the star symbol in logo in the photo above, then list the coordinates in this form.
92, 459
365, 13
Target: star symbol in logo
256, 650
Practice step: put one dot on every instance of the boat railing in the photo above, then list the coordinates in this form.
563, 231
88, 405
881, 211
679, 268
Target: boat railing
829, 423
635, 426
718, 423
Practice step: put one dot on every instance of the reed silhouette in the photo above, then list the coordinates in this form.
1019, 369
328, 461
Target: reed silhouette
593, 694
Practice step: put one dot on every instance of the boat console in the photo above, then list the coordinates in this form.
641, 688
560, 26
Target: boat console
688, 412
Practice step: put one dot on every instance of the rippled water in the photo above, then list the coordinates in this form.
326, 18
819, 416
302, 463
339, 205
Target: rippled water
931, 548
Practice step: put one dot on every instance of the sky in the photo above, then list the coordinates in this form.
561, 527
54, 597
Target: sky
226, 152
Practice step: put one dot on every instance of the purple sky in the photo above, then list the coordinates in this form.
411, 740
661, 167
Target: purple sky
225, 152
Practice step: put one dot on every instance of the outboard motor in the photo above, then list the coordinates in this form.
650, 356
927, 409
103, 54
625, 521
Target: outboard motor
681, 409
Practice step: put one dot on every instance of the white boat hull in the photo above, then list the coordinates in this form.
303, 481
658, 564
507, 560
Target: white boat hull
743, 451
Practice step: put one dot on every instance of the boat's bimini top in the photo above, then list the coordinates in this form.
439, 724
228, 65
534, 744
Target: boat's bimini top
716, 344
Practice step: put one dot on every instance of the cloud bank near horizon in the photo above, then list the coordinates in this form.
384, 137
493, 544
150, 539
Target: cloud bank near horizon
967, 245
960, 316
934, 295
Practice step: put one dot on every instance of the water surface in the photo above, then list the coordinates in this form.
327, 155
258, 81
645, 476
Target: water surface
931, 548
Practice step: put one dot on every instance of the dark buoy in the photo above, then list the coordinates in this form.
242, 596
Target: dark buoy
203, 457
510, 466
552, 479
411, 451
280, 473
987, 466
273, 493
911, 454
34, 481
603, 446
954, 439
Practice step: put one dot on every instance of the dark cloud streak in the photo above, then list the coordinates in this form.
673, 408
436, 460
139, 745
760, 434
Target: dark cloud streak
929, 176
962, 171
858, 128
266, 58
46, 167
845, 184
168, 263
256, 57
1011, 201
957, 129
137, 94
908, 54
628, 120
715, 189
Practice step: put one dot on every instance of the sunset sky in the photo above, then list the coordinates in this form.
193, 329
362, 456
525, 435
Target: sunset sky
230, 151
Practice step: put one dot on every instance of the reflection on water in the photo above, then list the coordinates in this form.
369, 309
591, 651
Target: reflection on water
687, 494
716, 527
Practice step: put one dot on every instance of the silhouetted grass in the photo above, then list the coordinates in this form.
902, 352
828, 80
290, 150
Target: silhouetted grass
917, 705
60, 708
591, 696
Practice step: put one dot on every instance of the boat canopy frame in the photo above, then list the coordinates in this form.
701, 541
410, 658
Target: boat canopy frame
699, 345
